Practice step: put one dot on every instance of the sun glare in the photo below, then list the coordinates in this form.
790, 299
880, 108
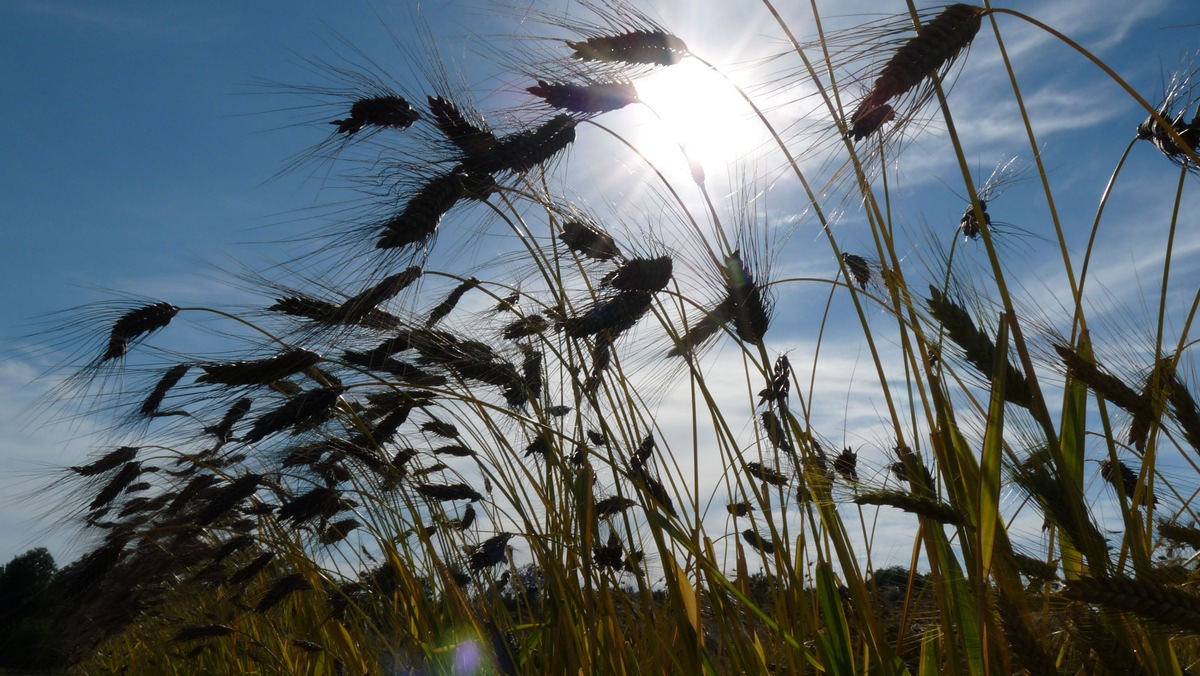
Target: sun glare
702, 113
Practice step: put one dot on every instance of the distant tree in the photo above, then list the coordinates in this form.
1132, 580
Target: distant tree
896, 577
23, 582
763, 588
28, 639
891, 584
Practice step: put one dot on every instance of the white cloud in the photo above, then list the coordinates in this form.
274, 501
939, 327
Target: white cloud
137, 20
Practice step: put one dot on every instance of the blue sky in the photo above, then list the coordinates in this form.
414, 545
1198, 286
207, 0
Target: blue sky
138, 153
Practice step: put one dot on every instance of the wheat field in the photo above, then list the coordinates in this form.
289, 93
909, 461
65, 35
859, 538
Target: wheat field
852, 351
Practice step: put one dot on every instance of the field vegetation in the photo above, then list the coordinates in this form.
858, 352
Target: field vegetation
494, 415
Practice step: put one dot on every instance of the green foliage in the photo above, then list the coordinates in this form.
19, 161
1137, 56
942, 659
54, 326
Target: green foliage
29, 639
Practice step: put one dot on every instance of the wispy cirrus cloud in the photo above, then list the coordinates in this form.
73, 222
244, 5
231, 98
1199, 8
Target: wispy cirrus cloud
161, 21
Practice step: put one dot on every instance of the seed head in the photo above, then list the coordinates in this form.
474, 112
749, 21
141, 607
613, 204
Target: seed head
380, 111
641, 47
137, 324
586, 99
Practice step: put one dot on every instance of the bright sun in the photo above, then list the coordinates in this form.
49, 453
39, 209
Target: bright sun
701, 112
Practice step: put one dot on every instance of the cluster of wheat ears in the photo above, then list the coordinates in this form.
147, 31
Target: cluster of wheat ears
402, 463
